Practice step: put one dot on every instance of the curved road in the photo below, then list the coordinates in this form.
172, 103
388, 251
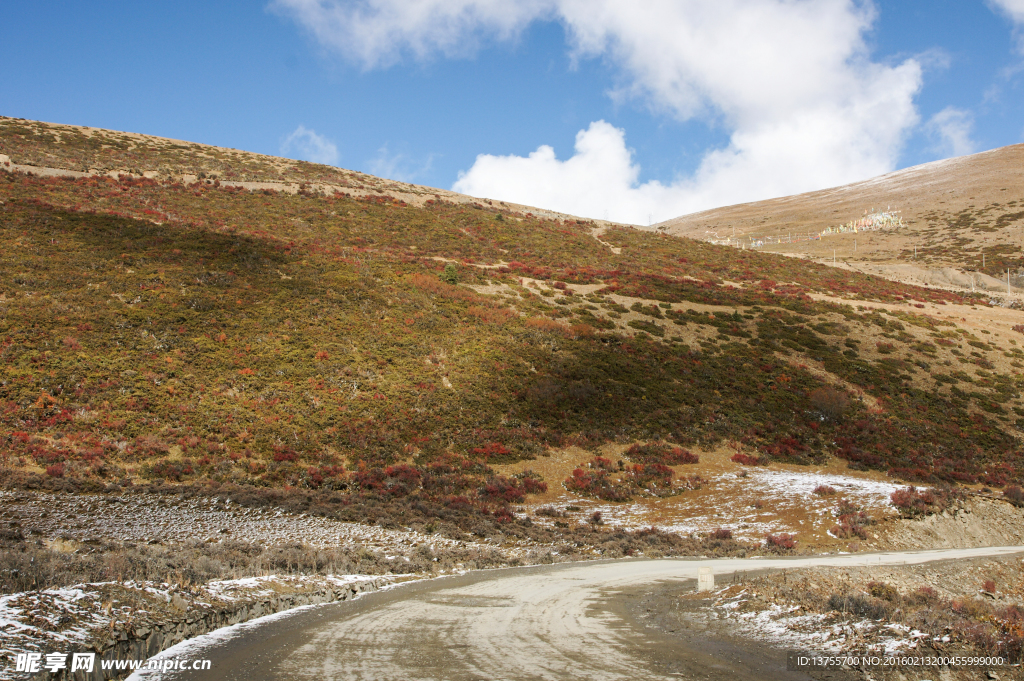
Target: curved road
567, 621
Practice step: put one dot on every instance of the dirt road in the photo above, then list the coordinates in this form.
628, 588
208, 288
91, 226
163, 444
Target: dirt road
569, 621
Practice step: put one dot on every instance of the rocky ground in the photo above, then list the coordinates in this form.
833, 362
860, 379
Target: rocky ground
97, 617
953, 608
66, 521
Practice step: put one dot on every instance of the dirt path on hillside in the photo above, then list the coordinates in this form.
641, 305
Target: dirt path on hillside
998, 320
550, 622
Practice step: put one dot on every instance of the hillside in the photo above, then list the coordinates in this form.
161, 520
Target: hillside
56, 150
185, 322
964, 215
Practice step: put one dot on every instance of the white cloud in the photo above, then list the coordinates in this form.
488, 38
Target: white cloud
379, 32
600, 180
1014, 9
791, 80
951, 130
306, 145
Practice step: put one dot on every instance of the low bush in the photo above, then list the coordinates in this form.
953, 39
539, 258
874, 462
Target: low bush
654, 478
831, 403
851, 521
780, 543
594, 482
912, 502
168, 469
860, 605
883, 590
660, 453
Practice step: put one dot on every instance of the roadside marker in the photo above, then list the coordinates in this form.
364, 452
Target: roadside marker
705, 579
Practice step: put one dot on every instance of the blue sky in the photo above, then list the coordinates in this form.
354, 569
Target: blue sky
631, 111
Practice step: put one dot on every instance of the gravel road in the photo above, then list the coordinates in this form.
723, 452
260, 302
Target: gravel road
565, 621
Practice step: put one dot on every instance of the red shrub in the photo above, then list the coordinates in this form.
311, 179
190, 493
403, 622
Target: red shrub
656, 478
149, 445
491, 449
780, 542
912, 502
56, 470
171, 470
504, 515
595, 483
531, 482
316, 477
848, 527
402, 479
746, 459
284, 454
501, 488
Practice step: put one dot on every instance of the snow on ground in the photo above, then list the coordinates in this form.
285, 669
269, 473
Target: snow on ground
248, 588
195, 648
762, 501
789, 627
796, 486
62, 620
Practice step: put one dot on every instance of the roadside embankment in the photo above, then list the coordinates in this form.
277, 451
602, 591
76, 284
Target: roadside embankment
136, 620
978, 521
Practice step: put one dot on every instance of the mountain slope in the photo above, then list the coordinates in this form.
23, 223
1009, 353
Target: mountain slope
58, 150
160, 329
965, 213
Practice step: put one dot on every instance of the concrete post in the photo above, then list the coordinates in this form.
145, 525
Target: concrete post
705, 579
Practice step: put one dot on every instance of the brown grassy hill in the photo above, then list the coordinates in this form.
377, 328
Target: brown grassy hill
388, 358
59, 150
964, 213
